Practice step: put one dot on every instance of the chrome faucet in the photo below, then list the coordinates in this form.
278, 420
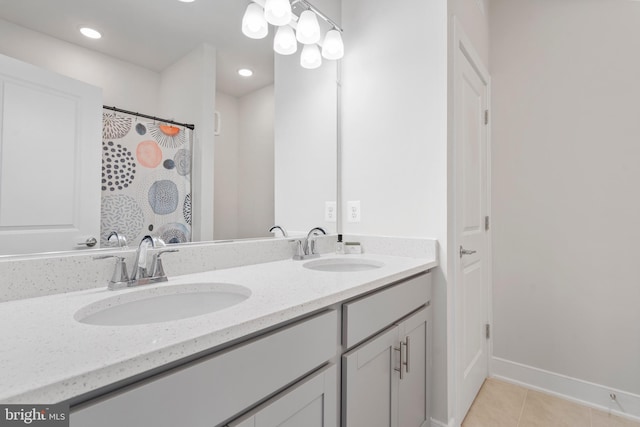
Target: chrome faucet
143, 274
277, 227
313, 233
306, 250
140, 265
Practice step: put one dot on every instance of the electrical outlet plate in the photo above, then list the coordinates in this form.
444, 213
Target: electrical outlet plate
353, 211
330, 213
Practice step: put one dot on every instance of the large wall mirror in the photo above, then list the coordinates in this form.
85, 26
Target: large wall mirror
265, 146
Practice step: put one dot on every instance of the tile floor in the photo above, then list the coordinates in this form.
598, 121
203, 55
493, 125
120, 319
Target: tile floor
501, 404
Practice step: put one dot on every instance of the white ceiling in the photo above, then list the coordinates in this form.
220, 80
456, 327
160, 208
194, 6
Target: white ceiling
155, 33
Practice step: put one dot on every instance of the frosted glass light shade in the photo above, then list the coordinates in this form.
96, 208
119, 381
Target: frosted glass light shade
333, 48
277, 12
308, 31
285, 42
254, 25
310, 57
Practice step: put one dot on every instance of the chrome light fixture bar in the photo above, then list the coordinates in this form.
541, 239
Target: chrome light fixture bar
293, 29
320, 14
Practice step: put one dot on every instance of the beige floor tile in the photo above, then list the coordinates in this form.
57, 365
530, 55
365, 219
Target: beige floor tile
543, 410
602, 419
497, 405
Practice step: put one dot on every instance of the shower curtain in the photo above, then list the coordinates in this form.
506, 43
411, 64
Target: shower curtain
146, 179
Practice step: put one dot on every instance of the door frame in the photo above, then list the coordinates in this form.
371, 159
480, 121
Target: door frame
463, 50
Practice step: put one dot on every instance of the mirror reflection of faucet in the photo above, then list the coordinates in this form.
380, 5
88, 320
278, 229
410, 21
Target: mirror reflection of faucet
282, 230
143, 271
116, 239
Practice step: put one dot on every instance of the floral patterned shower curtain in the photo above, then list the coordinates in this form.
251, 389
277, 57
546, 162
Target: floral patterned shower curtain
146, 179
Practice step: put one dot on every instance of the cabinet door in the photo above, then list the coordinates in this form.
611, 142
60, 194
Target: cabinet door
370, 382
311, 403
413, 393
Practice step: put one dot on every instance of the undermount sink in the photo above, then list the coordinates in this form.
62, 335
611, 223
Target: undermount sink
342, 264
162, 304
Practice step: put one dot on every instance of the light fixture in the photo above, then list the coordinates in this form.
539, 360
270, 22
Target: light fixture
277, 12
254, 25
245, 72
293, 29
186, 1
308, 30
333, 48
285, 42
310, 57
90, 32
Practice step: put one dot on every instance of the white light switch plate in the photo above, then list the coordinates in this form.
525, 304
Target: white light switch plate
353, 211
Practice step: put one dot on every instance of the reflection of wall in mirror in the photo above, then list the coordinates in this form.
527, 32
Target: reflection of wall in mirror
306, 136
244, 175
305, 149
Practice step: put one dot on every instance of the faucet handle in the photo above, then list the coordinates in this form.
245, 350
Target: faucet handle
299, 250
157, 271
120, 277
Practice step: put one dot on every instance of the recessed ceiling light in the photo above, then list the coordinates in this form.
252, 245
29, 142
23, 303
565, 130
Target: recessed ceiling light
186, 1
245, 72
90, 32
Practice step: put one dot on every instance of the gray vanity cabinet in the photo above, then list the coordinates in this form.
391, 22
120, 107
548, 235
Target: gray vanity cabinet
310, 403
385, 379
290, 376
210, 391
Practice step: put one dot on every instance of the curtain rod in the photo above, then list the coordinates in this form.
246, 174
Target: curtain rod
120, 110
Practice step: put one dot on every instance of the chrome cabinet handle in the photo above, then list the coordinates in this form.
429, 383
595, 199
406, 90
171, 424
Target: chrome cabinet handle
399, 349
90, 242
464, 251
406, 354
404, 357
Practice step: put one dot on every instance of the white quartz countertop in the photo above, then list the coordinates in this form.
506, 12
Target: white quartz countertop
46, 356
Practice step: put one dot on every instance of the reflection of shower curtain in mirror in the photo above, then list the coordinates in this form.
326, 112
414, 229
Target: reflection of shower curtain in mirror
146, 179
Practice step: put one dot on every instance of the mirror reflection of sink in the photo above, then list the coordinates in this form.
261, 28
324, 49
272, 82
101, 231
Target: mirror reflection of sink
162, 304
342, 264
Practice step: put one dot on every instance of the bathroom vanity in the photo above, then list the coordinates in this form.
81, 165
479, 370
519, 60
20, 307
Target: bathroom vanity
383, 352
308, 347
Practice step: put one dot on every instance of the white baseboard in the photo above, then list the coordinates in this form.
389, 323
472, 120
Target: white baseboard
627, 405
436, 423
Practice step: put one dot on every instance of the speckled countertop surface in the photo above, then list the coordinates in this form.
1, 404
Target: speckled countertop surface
46, 356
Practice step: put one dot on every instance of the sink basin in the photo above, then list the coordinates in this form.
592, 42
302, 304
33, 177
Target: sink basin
162, 304
342, 264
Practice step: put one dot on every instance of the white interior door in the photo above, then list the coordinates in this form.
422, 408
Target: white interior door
471, 236
50, 160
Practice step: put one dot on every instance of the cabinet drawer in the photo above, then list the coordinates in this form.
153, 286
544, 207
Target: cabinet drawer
312, 402
368, 315
207, 393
